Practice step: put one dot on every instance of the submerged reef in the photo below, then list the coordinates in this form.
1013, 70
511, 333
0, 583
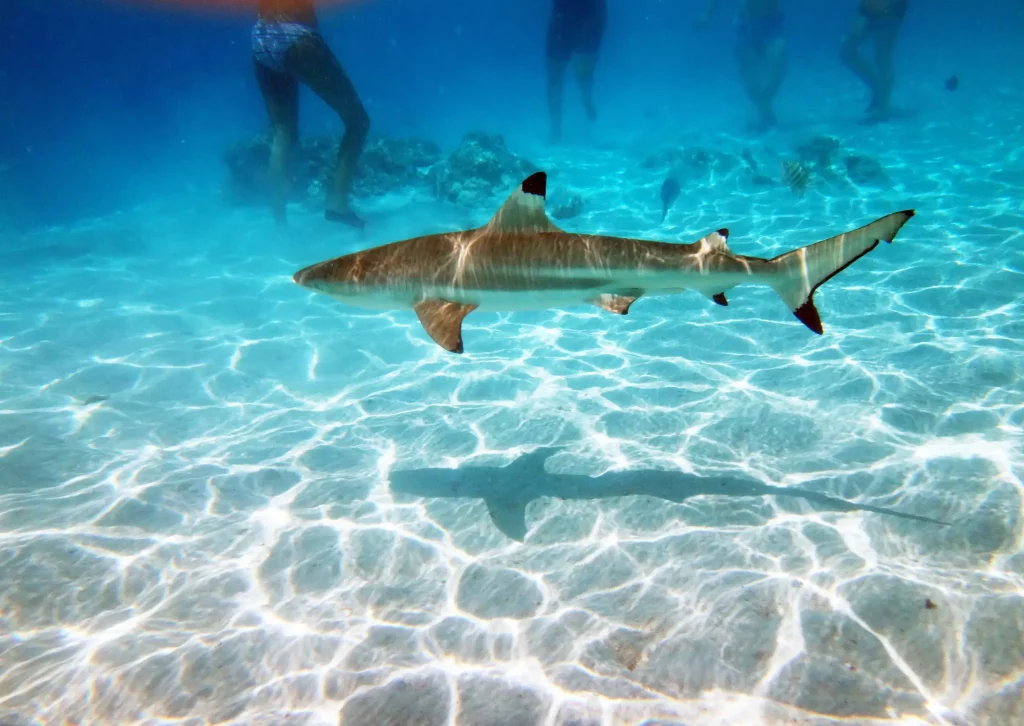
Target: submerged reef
819, 151
864, 170
480, 167
386, 164
692, 161
819, 154
807, 163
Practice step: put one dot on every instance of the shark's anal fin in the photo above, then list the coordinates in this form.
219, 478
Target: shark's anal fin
443, 322
523, 211
617, 303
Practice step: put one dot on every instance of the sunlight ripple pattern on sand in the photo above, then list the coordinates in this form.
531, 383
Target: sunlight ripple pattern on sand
200, 522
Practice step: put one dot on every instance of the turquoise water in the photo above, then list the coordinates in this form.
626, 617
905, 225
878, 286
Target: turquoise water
225, 499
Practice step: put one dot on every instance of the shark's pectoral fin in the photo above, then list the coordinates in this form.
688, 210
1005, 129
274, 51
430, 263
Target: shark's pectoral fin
443, 322
523, 211
617, 303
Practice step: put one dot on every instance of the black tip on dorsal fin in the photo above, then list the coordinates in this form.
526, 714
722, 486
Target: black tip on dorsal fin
724, 231
720, 298
536, 184
808, 315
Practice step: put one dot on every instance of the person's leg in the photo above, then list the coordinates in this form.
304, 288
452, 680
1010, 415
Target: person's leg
850, 54
584, 64
557, 60
774, 60
587, 43
747, 64
313, 63
885, 45
753, 37
751, 60
281, 96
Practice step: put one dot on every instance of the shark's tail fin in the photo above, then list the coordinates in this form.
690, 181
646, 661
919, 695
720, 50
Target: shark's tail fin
797, 274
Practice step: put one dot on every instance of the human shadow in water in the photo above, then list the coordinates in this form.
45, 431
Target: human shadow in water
507, 490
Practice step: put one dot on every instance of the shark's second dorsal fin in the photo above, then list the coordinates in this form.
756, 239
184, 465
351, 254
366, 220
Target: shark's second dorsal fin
523, 211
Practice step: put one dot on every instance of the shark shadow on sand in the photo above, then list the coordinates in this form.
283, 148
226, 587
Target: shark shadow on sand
507, 490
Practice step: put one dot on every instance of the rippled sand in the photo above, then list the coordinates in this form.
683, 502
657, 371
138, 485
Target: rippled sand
217, 503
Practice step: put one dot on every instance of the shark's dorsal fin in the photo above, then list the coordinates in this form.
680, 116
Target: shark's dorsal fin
523, 211
443, 322
718, 241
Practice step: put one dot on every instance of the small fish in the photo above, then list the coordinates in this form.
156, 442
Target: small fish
952, 83
749, 158
796, 176
669, 192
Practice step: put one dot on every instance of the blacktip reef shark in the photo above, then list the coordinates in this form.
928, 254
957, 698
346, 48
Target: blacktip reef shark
520, 260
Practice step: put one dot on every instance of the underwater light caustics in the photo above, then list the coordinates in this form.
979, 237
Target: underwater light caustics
520, 260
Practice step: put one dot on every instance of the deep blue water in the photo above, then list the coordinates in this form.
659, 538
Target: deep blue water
106, 102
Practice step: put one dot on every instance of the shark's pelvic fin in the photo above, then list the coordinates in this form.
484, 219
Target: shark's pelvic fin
799, 273
443, 322
523, 211
618, 304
